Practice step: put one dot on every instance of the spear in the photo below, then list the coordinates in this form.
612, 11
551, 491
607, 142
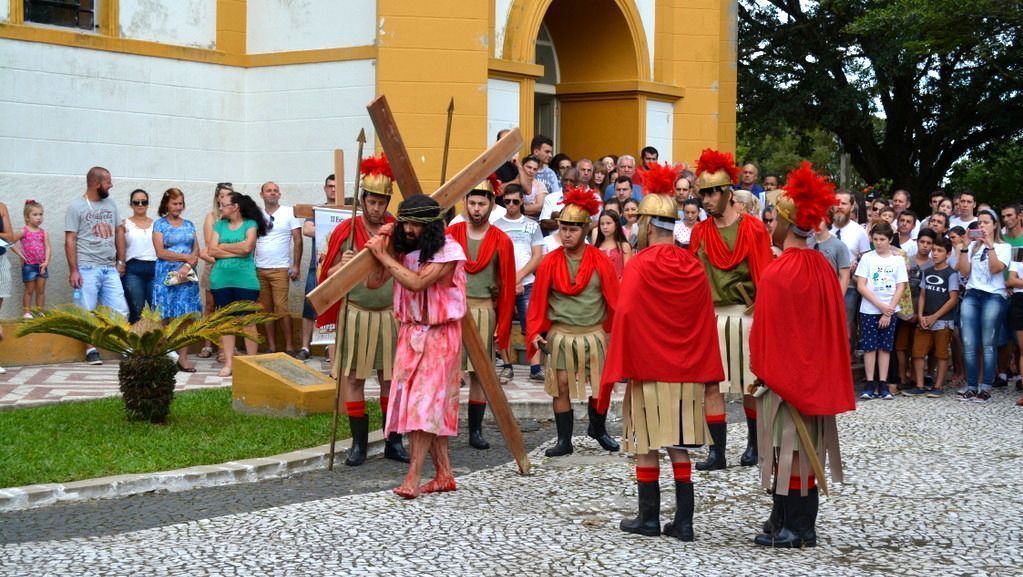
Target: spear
447, 142
342, 314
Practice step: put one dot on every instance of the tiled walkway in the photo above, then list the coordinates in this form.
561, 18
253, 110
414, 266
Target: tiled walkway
44, 384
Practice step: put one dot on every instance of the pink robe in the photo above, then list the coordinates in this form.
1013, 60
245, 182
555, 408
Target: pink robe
427, 363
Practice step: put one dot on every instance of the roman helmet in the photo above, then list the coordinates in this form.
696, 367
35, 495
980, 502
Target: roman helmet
804, 203
716, 171
658, 206
377, 177
581, 204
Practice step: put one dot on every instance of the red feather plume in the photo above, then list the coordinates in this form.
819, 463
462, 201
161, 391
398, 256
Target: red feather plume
582, 197
376, 165
658, 179
712, 161
812, 193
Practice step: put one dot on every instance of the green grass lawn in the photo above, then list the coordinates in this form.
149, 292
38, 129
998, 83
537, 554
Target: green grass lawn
74, 441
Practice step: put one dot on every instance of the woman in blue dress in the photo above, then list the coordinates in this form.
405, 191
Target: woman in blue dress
177, 252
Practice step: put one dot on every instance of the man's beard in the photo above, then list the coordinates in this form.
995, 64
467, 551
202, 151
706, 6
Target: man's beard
839, 219
103, 193
477, 220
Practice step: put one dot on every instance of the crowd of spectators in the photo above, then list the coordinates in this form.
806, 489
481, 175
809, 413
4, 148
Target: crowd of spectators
943, 291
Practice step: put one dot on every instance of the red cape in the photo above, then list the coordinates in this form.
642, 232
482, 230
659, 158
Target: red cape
799, 345
495, 242
664, 327
335, 242
553, 273
752, 244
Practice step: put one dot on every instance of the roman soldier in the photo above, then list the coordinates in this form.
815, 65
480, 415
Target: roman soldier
799, 350
664, 313
734, 248
490, 268
570, 314
368, 342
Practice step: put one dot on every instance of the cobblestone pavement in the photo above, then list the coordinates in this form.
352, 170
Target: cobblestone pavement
932, 488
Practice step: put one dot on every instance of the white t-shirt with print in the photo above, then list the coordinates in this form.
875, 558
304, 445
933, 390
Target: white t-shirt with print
525, 234
883, 274
980, 275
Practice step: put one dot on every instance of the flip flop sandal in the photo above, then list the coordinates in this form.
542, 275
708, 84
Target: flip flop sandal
205, 353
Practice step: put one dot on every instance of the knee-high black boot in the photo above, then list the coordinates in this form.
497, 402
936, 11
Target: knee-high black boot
597, 428
749, 456
648, 521
798, 529
394, 450
476, 412
682, 526
777, 517
360, 440
716, 453
564, 422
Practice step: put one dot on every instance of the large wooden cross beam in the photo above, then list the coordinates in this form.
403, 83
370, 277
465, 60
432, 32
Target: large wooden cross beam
336, 286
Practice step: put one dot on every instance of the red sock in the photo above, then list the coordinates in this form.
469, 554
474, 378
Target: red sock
683, 471
383, 404
472, 402
716, 419
750, 413
647, 474
356, 409
795, 485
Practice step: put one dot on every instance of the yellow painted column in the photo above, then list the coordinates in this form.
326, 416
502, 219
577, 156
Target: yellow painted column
728, 75
232, 23
429, 52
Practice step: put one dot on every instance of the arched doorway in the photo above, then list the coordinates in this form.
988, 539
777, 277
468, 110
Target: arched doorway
595, 56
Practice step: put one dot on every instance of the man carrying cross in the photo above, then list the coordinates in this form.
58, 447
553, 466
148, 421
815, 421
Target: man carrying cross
370, 330
490, 268
429, 303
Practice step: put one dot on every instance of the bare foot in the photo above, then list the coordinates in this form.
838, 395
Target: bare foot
224, 372
407, 491
439, 485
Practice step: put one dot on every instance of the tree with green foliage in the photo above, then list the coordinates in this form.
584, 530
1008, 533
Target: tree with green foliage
908, 87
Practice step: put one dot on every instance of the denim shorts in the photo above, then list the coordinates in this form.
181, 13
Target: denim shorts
30, 272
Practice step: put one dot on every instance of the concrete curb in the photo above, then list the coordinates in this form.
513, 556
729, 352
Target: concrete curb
246, 471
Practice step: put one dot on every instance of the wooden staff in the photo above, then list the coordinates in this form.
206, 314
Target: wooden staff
447, 142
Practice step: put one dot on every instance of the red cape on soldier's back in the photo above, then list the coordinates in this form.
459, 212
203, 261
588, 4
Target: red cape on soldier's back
799, 344
664, 328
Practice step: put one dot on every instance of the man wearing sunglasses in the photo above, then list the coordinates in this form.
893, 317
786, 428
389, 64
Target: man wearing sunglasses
278, 259
528, 244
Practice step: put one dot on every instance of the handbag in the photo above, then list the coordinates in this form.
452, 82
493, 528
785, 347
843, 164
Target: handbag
172, 278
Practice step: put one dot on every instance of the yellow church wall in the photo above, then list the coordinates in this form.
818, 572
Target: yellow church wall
427, 53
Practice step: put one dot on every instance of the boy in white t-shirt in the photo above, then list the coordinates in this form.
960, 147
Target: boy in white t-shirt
881, 278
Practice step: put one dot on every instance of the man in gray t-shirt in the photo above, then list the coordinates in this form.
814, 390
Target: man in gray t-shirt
836, 252
92, 258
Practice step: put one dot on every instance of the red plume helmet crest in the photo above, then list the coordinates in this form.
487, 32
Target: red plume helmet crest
812, 194
712, 161
583, 198
376, 166
658, 179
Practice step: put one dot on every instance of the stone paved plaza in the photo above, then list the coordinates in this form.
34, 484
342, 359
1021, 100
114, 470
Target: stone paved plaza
933, 488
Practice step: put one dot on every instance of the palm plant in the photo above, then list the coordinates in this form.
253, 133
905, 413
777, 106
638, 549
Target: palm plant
146, 374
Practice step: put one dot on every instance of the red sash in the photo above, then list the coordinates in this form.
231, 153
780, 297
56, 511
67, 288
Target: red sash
752, 244
335, 242
495, 241
553, 273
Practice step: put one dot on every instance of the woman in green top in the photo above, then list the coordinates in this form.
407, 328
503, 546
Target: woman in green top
234, 272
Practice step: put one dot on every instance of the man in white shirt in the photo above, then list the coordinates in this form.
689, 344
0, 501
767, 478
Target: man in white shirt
966, 204
528, 242
278, 258
855, 238
907, 223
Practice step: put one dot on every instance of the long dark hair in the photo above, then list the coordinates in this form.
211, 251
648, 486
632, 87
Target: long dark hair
431, 240
619, 236
249, 210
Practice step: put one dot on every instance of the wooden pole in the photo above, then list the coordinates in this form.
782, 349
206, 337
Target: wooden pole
339, 167
447, 142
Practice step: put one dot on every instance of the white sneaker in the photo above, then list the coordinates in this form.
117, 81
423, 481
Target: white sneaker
3, 371
173, 355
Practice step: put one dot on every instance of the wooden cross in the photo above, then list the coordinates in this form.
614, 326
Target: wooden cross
337, 285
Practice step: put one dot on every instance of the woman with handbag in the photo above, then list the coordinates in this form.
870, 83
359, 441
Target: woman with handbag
176, 289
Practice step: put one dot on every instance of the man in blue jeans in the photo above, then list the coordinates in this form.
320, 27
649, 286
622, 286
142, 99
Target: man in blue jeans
92, 258
528, 243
